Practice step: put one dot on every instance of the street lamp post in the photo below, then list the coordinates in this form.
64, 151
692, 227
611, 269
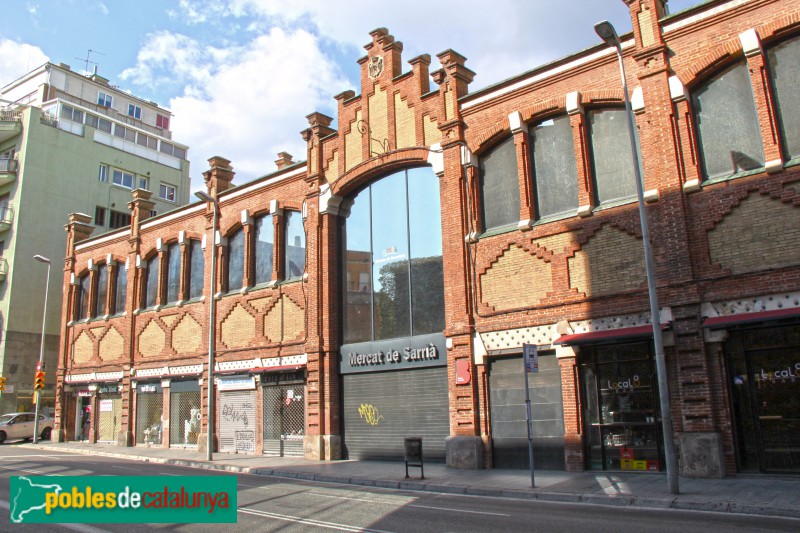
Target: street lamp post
41, 259
606, 31
211, 326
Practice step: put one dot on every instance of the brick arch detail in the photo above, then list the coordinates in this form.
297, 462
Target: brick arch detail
703, 67
486, 140
379, 166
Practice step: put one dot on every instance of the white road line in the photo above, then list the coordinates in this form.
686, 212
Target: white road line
24, 457
455, 510
165, 474
309, 521
125, 468
75, 527
29, 471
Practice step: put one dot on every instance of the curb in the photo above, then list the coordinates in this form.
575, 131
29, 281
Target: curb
671, 502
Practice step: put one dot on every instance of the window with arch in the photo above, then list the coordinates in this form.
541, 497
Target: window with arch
196, 274
555, 173
82, 297
102, 291
120, 288
499, 185
263, 250
783, 61
393, 264
611, 147
295, 252
173, 273
235, 261
728, 136
151, 282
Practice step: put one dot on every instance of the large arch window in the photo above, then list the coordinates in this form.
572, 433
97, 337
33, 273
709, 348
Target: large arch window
151, 282
235, 260
196, 273
102, 291
264, 249
295, 253
82, 297
173, 280
555, 173
120, 288
611, 148
500, 185
729, 138
393, 259
784, 71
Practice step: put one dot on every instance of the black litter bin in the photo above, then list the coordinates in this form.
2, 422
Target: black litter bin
413, 447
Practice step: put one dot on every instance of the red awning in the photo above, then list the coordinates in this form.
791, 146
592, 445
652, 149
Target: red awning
607, 335
719, 322
282, 368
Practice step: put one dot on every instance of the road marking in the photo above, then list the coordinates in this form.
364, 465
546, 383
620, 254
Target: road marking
23, 457
309, 521
125, 468
455, 510
165, 474
75, 527
30, 471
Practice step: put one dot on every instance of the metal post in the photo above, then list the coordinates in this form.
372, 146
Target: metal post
211, 328
607, 32
526, 350
41, 259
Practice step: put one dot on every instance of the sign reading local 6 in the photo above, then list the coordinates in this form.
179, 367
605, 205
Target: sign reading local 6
122, 499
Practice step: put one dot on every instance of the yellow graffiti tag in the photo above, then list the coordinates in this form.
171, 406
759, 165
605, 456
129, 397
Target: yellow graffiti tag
370, 415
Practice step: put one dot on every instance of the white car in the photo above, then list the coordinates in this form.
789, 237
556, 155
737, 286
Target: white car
20, 426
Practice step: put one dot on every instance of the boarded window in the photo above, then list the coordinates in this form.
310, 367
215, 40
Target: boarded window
727, 125
151, 283
173, 272
264, 249
295, 254
500, 185
235, 261
102, 291
784, 69
196, 269
82, 298
120, 288
611, 151
554, 169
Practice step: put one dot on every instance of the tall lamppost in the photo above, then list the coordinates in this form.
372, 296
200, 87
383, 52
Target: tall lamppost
607, 32
211, 325
41, 259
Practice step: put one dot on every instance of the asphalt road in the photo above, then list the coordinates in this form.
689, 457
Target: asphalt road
269, 504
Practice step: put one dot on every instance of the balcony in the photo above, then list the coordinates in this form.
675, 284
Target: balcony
10, 123
6, 217
3, 269
8, 171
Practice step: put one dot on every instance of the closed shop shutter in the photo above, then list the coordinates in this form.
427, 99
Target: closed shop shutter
109, 419
382, 408
237, 421
284, 419
507, 396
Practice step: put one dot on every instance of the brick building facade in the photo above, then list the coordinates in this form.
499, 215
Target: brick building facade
385, 287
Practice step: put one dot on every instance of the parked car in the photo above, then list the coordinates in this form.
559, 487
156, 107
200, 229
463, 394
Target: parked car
20, 426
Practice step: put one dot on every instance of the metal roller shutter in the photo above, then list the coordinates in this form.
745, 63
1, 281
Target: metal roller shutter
507, 396
382, 408
237, 421
284, 420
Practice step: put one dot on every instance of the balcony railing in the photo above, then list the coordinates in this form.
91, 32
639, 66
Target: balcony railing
6, 217
10, 115
8, 165
3, 269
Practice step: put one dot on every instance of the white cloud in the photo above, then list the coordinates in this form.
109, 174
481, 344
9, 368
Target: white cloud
17, 59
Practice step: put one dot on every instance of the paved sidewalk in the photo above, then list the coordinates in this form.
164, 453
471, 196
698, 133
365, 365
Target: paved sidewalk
759, 495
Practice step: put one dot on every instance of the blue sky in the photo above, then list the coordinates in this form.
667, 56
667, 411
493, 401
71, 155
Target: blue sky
241, 75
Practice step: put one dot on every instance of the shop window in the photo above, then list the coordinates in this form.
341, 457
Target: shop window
555, 173
120, 289
173, 280
611, 149
102, 291
728, 135
151, 282
196, 275
500, 185
235, 261
295, 253
397, 260
82, 297
263, 249
784, 71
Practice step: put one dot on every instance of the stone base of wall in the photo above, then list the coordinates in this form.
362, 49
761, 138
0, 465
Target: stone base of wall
464, 452
59, 436
701, 455
125, 439
202, 441
322, 447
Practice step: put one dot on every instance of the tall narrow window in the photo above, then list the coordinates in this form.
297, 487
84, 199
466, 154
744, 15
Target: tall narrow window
295, 258
784, 70
173, 272
102, 291
554, 169
611, 149
500, 185
120, 288
264, 249
151, 282
236, 261
196, 275
729, 138
82, 297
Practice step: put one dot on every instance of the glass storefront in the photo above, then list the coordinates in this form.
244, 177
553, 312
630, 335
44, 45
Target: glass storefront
184, 413
620, 407
764, 380
149, 412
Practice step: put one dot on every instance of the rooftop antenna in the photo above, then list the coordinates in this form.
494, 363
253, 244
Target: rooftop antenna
87, 60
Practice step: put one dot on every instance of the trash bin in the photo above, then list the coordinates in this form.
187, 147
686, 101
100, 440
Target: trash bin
413, 455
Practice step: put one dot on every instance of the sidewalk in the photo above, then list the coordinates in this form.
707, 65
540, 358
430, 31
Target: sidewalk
758, 495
